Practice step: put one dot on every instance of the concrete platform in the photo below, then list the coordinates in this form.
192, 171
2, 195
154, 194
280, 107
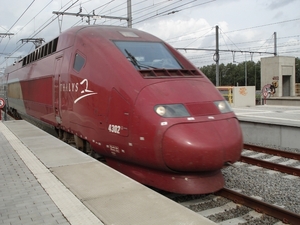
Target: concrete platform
283, 101
270, 114
271, 125
45, 181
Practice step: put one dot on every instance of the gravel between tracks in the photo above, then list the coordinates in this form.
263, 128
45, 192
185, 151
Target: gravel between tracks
274, 188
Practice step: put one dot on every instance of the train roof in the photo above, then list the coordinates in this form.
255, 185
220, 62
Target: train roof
67, 38
103, 32
112, 32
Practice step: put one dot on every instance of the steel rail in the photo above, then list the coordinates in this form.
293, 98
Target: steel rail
281, 153
260, 206
272, 166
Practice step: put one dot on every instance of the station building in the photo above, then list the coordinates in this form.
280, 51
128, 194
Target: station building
278, 80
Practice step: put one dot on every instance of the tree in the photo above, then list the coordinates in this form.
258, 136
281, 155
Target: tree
234, 74
210, 72
297, 68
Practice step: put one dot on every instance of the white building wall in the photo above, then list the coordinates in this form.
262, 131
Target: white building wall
243, 96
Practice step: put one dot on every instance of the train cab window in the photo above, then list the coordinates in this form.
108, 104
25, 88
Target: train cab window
148, 55
78, 62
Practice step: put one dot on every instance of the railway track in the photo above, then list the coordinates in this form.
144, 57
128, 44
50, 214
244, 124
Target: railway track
286, 154
234, 205
260, 206
270, 165
225, 207
229, 206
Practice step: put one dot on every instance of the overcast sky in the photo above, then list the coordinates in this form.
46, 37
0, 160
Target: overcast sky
244, 25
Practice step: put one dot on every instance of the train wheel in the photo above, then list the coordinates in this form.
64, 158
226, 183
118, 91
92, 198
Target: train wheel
67, 137
80, 144
60, 133
88, 149
85, 147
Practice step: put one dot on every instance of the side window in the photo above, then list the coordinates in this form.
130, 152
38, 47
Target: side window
78, 62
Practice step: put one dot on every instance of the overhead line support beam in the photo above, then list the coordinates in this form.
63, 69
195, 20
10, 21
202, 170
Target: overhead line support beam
89, 15
6, 34
220, 50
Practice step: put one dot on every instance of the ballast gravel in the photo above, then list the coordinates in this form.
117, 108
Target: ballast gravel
273, 188
269, 186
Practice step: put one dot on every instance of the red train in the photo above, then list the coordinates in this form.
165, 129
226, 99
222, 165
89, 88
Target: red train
132, 99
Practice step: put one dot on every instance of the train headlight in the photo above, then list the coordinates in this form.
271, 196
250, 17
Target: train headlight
160, 110
223, 106
173, 110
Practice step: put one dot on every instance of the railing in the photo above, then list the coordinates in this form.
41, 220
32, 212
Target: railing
226, 91
297, 89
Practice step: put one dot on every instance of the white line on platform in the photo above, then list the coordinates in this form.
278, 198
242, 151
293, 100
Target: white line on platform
71, 207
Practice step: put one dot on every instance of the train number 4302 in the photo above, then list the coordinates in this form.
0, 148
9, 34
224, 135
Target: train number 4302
114, 128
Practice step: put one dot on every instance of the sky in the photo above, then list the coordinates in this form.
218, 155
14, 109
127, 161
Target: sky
246, 27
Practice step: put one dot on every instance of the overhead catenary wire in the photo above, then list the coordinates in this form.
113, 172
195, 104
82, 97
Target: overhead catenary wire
17, 21
21, 16
51, 20
35, 16
254, 27
40, 29
29, 22
123, 7
110, 7
170, 11
152, 9
136, 12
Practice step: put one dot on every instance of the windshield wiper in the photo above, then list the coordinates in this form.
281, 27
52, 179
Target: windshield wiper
133, 59
147, 66
137, 63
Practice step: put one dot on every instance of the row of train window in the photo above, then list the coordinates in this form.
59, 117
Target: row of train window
41, 52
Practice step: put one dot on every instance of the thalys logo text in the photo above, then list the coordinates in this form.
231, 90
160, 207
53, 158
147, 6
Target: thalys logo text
75, 87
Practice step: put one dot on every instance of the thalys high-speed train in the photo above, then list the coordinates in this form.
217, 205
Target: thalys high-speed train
132, 99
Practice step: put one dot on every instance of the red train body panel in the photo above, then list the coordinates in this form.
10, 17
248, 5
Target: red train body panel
132, 99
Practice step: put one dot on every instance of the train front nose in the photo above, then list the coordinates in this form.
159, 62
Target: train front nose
202, 146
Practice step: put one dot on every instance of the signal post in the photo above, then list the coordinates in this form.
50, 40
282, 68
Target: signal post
2, 104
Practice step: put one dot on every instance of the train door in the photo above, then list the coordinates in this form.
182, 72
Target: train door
119, 113
57, 91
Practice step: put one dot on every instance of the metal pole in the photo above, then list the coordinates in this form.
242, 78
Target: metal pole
255, 75
5, 114
275, 44
245, 70
129, 13
6, 34
217, 55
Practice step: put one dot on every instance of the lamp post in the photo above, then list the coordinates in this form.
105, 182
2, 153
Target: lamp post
235, 84
245, 73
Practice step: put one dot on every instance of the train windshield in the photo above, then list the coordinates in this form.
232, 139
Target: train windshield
148, 55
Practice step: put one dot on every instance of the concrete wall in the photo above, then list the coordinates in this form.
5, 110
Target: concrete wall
271, 134
243, 96
289, 101
280, 69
